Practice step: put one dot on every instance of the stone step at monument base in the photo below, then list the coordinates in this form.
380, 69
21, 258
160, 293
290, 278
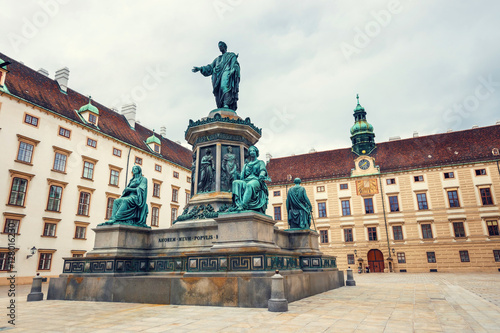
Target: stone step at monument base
238, 290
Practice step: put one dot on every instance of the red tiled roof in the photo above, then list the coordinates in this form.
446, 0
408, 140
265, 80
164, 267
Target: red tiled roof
472, 145
40, 90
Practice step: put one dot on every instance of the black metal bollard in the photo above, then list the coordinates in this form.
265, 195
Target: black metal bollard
350, 279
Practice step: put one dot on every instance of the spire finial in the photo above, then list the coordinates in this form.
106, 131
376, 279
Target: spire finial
357, 97
90, 99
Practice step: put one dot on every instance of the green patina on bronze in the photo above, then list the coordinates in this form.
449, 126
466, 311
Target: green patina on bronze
298, 207
153, 139
250, 190
225, 73
362, 136
89, 107
219, 118
131, 208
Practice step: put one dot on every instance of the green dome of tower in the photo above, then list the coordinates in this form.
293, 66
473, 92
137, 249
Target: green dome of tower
362, 136
89, 107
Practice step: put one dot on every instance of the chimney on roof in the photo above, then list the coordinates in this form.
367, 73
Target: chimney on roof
498, 122
449, 130
163, 131
475, 126
312, 150
129, 111
43, 71
415, 134
114, 109
268, 157
62, 77
394, 138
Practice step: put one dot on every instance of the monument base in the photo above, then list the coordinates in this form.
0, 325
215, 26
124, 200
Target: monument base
226, 261
239, 291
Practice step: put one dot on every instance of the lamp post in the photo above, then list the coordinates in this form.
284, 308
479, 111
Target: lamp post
32, 252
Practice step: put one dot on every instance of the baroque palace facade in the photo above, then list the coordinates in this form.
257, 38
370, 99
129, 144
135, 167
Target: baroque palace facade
422, 204
65, 159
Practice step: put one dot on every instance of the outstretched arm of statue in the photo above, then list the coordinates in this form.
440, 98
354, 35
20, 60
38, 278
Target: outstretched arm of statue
195, 69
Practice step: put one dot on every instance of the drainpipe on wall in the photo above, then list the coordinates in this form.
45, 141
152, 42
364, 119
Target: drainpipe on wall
385, 219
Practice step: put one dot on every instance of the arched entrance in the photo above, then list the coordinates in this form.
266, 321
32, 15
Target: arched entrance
376, 261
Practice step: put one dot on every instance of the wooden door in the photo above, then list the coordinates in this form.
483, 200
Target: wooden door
376, 261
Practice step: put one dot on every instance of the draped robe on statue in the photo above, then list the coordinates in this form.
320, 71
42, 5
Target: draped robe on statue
250, 192
225, 72
131, 208
298, 207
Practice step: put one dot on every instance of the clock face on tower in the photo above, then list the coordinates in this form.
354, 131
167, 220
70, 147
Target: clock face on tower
364, 164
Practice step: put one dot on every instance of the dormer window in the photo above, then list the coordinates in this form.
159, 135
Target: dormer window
3, 72
92, 119
154, 143
89, 113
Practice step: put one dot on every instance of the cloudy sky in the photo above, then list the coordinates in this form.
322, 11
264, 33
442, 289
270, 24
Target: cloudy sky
425, 66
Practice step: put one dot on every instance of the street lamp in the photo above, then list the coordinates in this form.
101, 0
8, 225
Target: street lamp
32, 252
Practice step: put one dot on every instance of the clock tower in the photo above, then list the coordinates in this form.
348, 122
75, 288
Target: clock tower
362, 136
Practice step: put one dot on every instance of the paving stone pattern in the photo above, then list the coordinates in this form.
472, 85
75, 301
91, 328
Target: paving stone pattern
398, 302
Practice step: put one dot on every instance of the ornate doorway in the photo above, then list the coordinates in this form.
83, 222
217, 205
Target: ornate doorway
376, 261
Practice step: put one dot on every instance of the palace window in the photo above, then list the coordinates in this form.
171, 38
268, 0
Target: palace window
156, 190
25, 152
486, 198
448, 175
397, 231
44, 261
157, 149
320, 189
188, 196
155, 216
88, 170
321, 209
54, 201
492, 228
188, 179
277, 213
117, 152
64, 132
422, 201
18, 191
480, 172
346, 207
344, 186
32, 120
138, 160
458, 228
176, 174
453, 199
401, 258
6, 260
91, 143
431, 257
323, 236
391, 181
109, 207
368, 206
175, 195
60, 162
11, 226
80, 231
113, 177
464, 256
348, 235
496, 254
173, 214
418, 178
393, 203
372, 233
49, 229
158, 167
426, 231
83, 203
350, 259
277, 193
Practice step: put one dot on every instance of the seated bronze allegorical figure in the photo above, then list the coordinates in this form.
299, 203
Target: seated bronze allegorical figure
250, 190
131, 208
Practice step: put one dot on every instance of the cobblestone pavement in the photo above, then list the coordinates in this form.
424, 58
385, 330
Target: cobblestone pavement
398, 302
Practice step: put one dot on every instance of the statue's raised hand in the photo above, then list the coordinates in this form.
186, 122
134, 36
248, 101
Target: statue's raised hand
195, 69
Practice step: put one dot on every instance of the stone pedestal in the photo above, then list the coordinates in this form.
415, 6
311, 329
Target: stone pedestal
36, 290
120, 240
245, 231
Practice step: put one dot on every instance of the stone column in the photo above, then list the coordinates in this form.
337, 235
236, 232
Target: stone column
218, 166
278, 302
